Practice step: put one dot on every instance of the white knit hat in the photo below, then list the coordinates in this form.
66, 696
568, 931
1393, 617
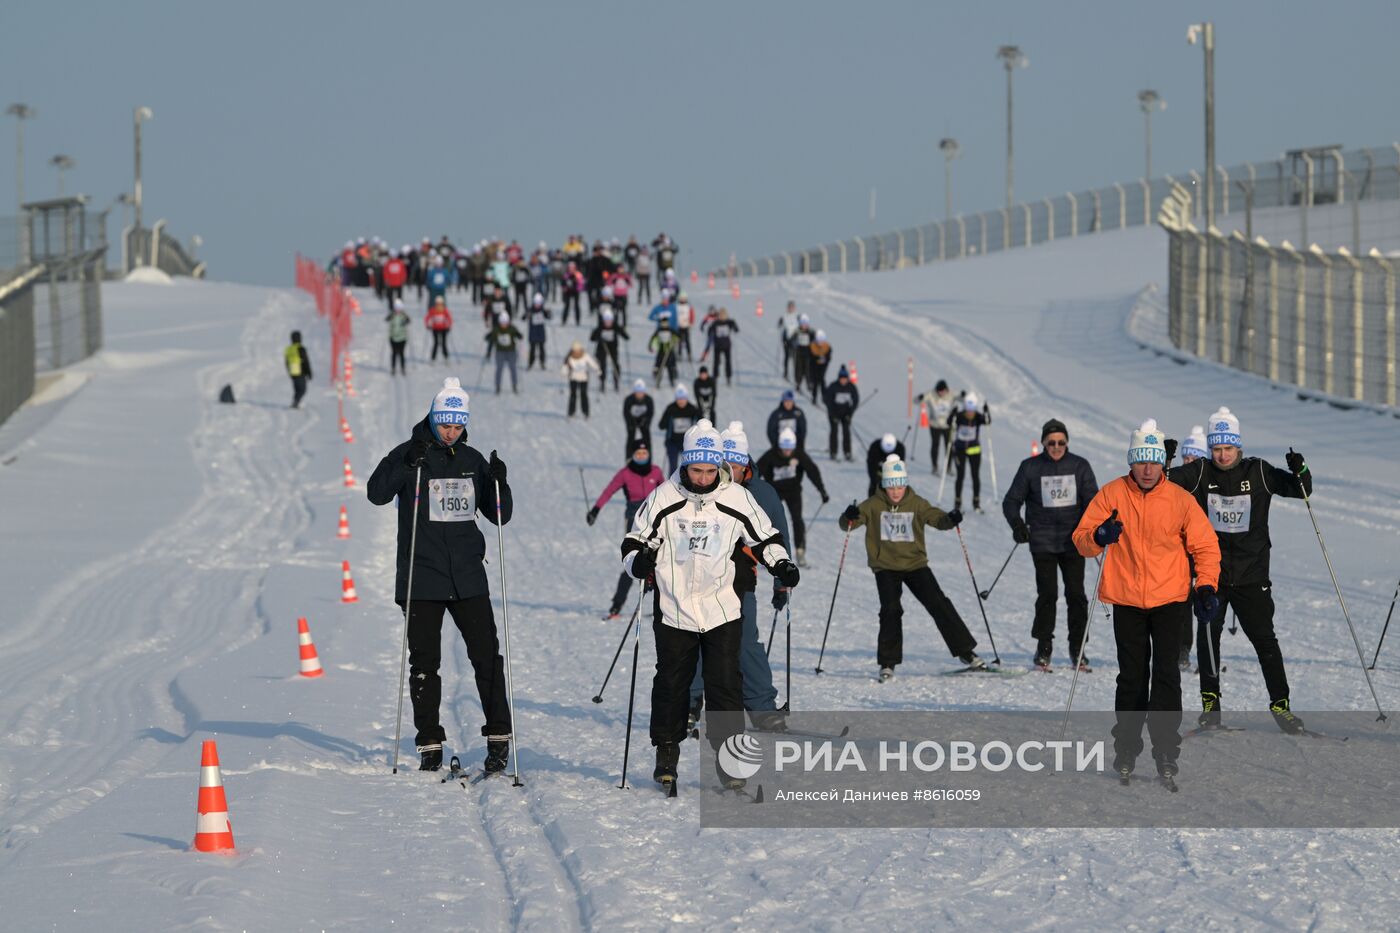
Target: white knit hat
1147, 445
702, 445
787, 439
503, 318
970, 401
735, 443
606, 314
893, 473
538, 300
1224, 429
888, 443
639, 386
451, 404
821, 335
682, 392
1195, 443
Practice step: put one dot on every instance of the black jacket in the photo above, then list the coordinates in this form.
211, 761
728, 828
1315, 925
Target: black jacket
675, 421
874, 457
841, 400
785, 471
448, 556
1237, 503
1055, 495
798, 424
704, 392
637, 414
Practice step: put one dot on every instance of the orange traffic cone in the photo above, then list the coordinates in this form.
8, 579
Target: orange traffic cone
694, 276
734, 291
347, 585
213, 832
923, 418
1035, 448
348, 434
349, 477
344, 530
855, 376
758, 309
710, 282
310, 661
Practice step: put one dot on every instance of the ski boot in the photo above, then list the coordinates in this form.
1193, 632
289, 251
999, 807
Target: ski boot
692, 720
886, 674
668, 757
1210, 711
1084, 666
497, 753
973, 662
430, 757
802, 557
977, 505
1184, 659
1123, 767
1285, 718
1042, 653
771, 720
1166, 774
728, 781
957, 504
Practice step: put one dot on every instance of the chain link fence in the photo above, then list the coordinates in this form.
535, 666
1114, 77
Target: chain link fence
1322, 320
1303, 179
155, 247
17, 341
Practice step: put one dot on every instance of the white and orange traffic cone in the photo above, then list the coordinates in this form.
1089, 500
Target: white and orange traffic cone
349, 477
347, 585
710, 282
348, 434
344, 530
855, 376
758, 309
213, 832
1035, 448
734, 291
694, 277
310, 661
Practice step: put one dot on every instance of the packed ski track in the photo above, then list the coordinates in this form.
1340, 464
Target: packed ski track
159, 548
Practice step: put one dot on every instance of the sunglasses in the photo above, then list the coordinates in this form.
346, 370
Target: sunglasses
1057, 443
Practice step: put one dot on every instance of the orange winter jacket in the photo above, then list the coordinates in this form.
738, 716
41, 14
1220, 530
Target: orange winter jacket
1148, 566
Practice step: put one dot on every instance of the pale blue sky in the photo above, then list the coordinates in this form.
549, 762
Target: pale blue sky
749, 127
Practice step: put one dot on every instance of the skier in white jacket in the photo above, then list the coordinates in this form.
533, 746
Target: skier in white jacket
577, 366
687, 536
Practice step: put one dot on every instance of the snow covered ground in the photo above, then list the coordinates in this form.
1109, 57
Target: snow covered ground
158, 548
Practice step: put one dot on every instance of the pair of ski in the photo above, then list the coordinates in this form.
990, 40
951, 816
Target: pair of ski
466, 778
1047, 669
986, 669
1168, 781
1309, 733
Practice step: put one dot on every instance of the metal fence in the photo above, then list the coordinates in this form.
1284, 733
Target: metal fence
17, 341
155, 247
1303, 179
1322, 320
67, 310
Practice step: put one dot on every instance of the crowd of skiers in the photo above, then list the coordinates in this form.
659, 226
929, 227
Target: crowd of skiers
1171, 543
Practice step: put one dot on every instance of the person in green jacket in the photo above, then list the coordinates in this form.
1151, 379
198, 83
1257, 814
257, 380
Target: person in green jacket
398, 336
895, 519
298, 367
503, 340
664, 343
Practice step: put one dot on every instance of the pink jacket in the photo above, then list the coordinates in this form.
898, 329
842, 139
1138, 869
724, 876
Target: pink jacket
637, 487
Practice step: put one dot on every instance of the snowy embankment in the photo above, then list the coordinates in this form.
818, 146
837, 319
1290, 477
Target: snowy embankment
159, 548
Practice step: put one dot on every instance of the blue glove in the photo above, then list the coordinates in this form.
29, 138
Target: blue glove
1109, 532
1207, 603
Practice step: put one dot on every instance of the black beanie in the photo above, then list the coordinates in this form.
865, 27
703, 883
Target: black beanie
1054, 426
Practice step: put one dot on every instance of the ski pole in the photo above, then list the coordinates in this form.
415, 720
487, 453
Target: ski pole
407, 609
839, 567
1385, 628
787, 645
598, 697
864, 400
1307, 500
996, 658
992, 465
1074, 681
480, 371
942, 480
772, 629
505, 628
584, 487
632, 695
1233, 627
816, 513
904, 438
986, 594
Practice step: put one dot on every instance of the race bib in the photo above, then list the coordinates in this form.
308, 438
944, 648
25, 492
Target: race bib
504, 340
803, 338
787, 424
842, 398
452, 499
1057, 492
607, 336
697, 539
967, 432
897, 527
637, 411
1228, 514
680, 425
787, 471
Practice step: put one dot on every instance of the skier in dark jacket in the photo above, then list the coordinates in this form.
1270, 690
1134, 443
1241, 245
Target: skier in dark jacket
842, 398
879, 451
705, 392
787, 415
1235, 491
967, 427
298, 367
637, 411
1055, 487
784, 466
678, 418
448, 574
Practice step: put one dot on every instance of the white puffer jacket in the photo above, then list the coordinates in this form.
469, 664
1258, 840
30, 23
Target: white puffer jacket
696, 537
578, 367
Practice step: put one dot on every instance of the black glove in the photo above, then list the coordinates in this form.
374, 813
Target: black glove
592, 515
1020, 533
1207, 603
956, 517
851, 515
780, 598
826, 498
786, 572
644, 564
986, 410
417, 452
1109, 532
1295, 463
497, 468
1170, 444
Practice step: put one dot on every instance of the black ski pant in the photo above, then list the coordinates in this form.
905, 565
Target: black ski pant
801, 359
816, 378
964, 458
843, 424
673, 452
790, 492
396, 356
571, 299
889, 584
522, 298
726, 354
578, 396
1254, 607
606, 352
643, 289
536, 350
474, 619
298, 390
624, 580
1070, 566
685, 345
392, 292
1149, 681
938, 437
787, 356
677, 653
440, 340
666, 360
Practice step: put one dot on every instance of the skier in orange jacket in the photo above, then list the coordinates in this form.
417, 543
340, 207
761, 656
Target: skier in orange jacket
1145, 528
